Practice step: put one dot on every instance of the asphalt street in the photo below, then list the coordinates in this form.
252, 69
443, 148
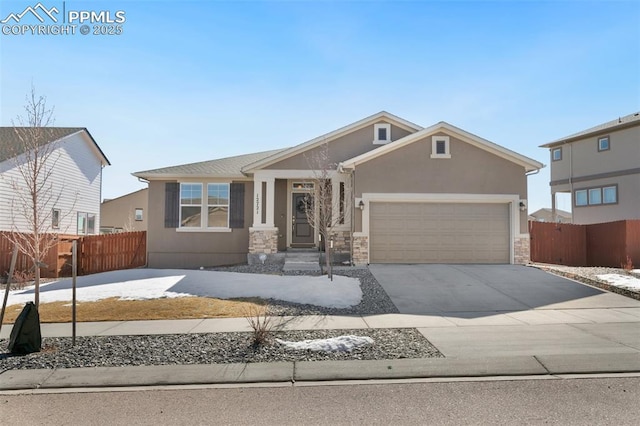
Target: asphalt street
582, 401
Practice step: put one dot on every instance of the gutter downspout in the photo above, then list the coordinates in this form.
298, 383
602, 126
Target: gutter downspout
570, 180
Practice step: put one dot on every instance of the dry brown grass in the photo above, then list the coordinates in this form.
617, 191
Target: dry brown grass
114, 309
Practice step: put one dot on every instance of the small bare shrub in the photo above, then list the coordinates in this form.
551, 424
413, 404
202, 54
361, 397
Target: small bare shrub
260, 323
628, 265
21, 279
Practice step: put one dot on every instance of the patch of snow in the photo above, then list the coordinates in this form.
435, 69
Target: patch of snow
636, 271
622, 281
334, 344
141, 284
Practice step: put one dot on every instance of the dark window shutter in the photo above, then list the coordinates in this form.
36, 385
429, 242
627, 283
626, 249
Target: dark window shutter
236, 218
171, 204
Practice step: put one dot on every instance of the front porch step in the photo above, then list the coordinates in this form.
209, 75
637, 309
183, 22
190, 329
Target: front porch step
302, 260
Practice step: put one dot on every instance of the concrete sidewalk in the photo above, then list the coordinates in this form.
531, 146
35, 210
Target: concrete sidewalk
533, 342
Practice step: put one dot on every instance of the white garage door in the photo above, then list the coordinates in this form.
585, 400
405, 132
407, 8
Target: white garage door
439, 233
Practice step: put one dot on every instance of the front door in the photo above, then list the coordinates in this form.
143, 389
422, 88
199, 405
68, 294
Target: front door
302, 231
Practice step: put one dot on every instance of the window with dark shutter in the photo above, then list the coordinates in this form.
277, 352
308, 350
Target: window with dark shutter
171, 204
236, 218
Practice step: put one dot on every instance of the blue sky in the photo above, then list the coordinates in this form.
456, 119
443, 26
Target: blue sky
191, 81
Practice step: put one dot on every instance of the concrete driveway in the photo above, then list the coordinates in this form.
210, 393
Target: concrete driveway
470, 291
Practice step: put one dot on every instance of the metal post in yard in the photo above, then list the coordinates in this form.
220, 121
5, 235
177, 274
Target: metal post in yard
12, 267
74, 275
330, 254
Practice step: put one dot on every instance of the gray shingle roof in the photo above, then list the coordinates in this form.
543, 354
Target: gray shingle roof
11, 146
618, 122
222, 167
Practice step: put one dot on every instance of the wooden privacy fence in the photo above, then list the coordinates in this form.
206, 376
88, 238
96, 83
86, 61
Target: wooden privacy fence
55, 259
601, 244
96, 253
101, 253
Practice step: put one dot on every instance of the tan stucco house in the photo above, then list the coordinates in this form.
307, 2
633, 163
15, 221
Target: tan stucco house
127, 213
410, 194
600, 167
547, 215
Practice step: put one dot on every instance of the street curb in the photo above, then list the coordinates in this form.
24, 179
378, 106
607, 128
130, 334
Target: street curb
591, 363
315, 371
151, 375
417, 368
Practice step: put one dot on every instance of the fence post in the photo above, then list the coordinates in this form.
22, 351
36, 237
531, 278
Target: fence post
12, 267
74, 275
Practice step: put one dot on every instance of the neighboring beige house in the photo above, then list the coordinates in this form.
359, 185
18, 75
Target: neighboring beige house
420, 195
70, 199
126, 213
547, 215
600, 167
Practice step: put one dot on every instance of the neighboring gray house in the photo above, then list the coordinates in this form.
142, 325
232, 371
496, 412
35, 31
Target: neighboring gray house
547, 215
127, 213
71, 198
600, 167
420, 195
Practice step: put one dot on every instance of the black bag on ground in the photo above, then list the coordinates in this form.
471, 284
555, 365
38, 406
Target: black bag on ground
25, 336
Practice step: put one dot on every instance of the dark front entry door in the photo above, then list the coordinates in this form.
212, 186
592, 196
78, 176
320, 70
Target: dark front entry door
302, 231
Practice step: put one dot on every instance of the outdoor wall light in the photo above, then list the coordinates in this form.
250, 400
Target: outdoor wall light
523, 206
361, 205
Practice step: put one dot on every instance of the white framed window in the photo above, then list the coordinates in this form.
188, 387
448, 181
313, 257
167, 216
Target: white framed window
381, 133
302, 185
139, 214
91, 223
55, 218
610, 194
191, 205
603, 144
217, 205
440, 147
82, 223
595, 196
581, 198
556, 154
204, 207
86, 223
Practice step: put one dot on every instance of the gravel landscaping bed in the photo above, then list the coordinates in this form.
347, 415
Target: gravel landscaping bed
589, 275
223, 348
213, 348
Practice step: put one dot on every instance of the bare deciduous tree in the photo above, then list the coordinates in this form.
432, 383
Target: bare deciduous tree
324, 210
34, 196
129, 224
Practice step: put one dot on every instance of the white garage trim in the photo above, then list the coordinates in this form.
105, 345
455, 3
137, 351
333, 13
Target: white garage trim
512, 199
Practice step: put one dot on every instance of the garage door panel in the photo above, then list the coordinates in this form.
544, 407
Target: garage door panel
439, 233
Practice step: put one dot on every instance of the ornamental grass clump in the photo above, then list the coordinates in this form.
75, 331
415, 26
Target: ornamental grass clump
261, 324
